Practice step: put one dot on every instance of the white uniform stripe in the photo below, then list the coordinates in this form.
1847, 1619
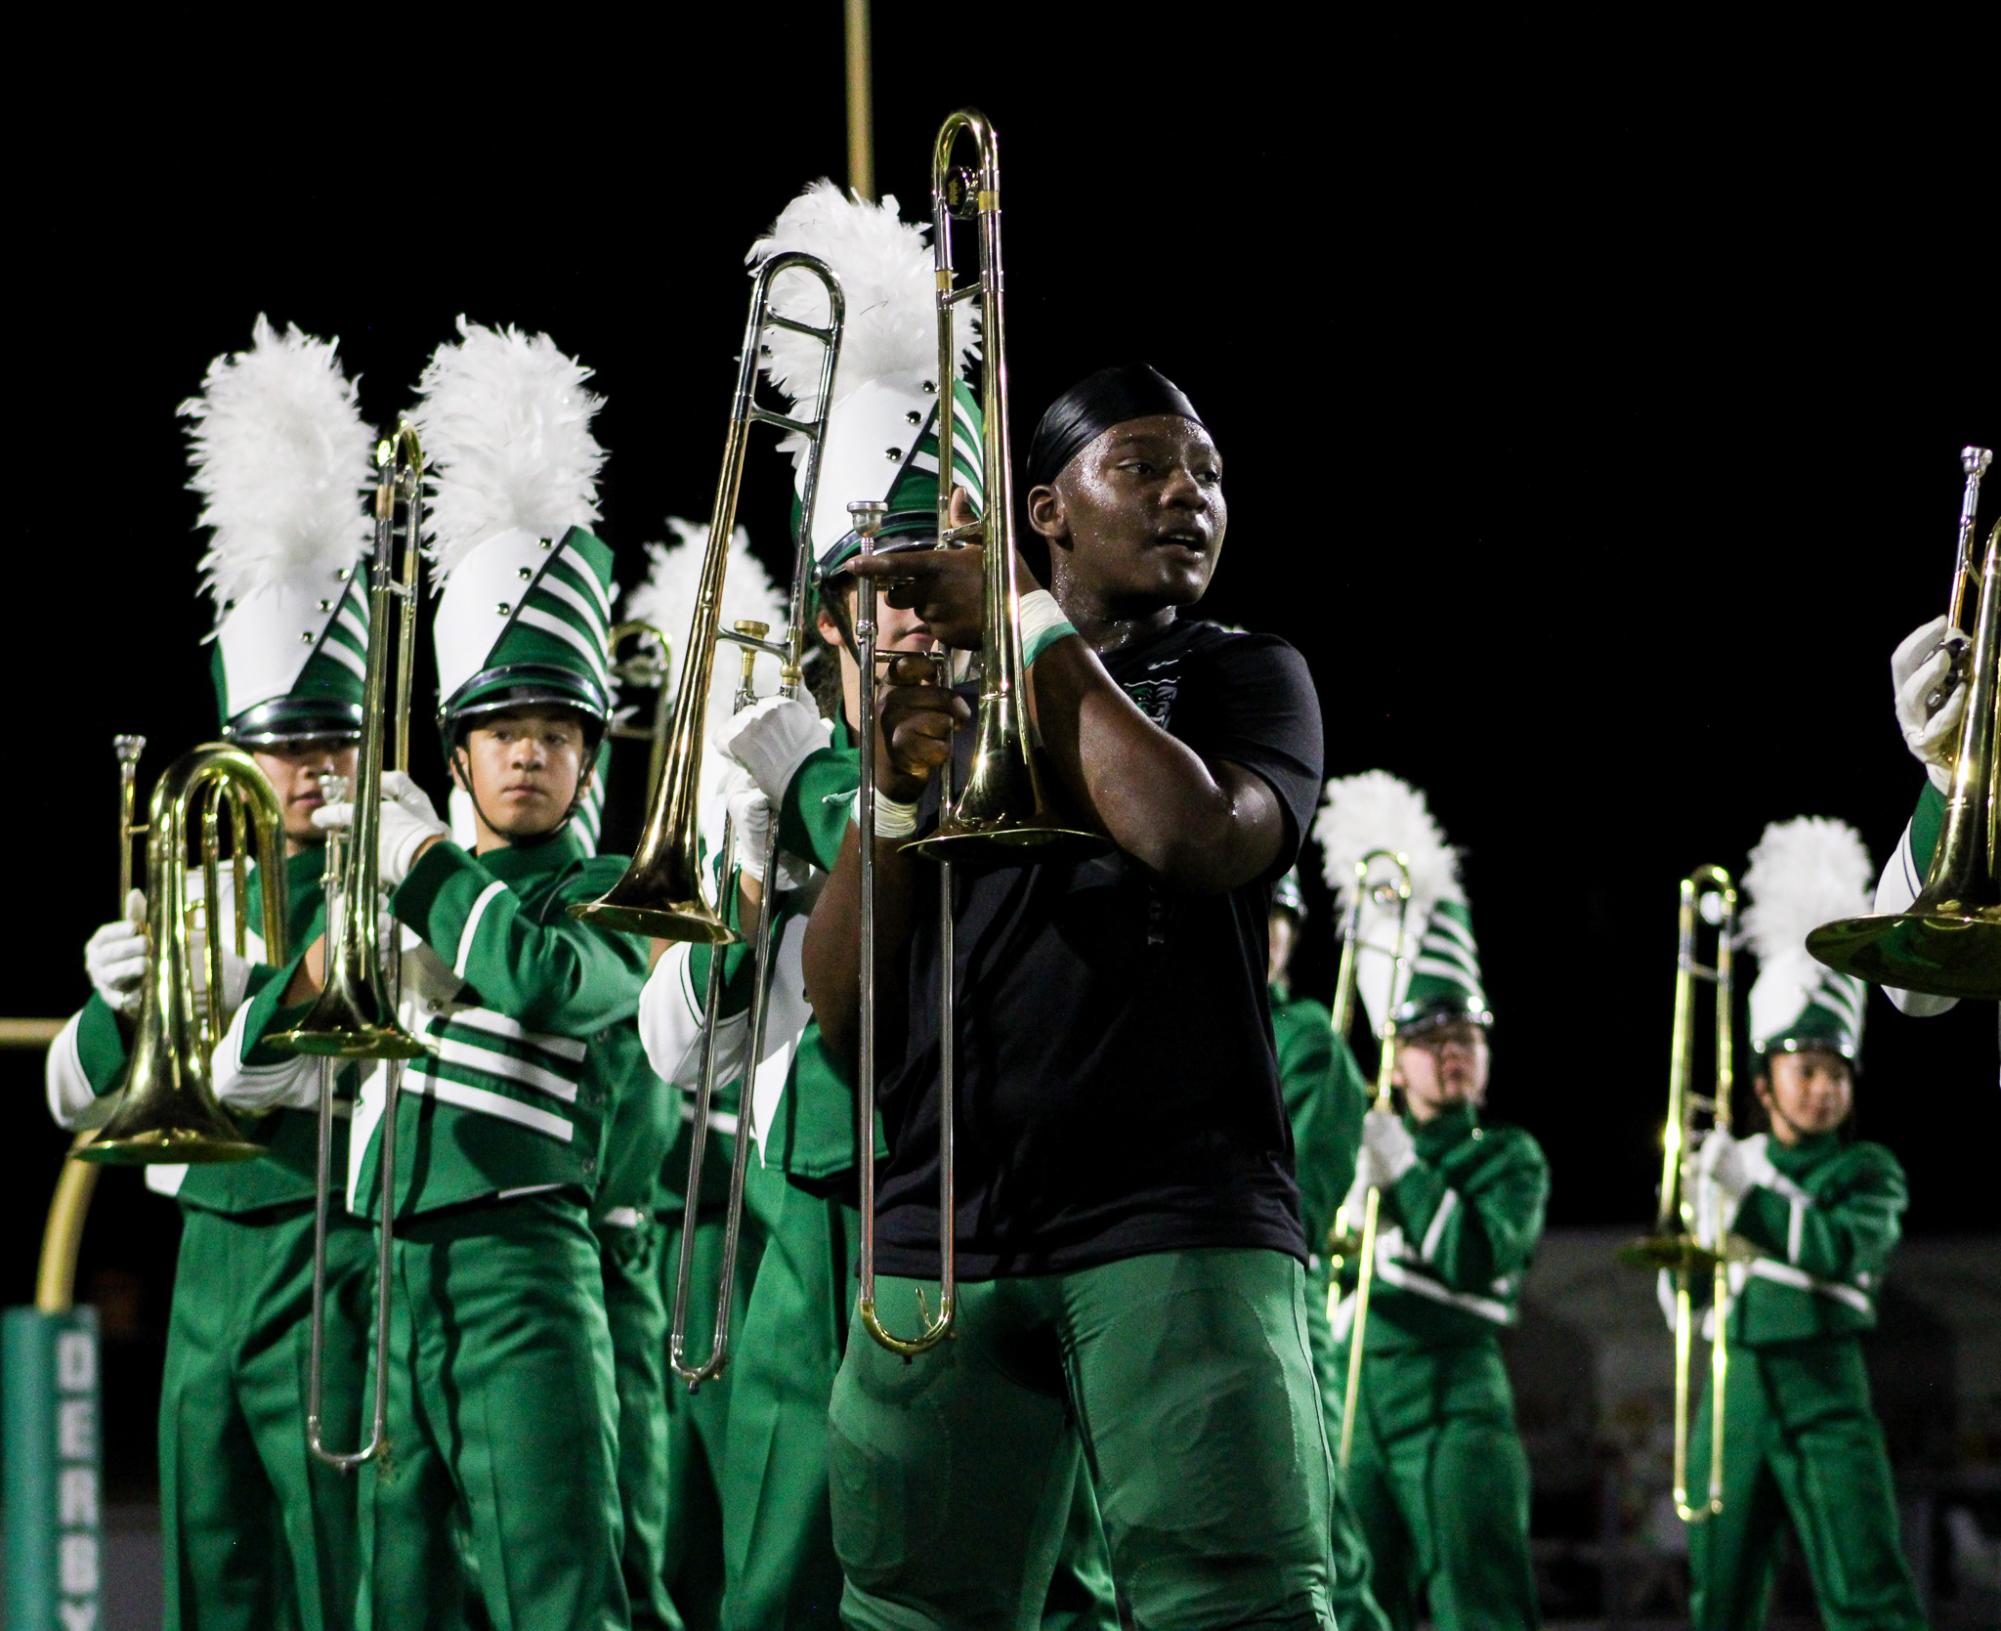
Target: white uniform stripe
1394, 1274
485, 1019
486, 899
1450, 926
570, 595
622, 1217
484, 1102
472, 1057
346, 656
1794, 1226
1768, 1268
1450, 956
590, 580
550, 623
1436, 1232
719, 1120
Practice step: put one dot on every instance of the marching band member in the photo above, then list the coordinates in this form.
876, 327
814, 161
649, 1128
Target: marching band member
1131, 1262
501, 1492
255, 1531
1822, 1213
1325, 1097
1437, 1474
802, 762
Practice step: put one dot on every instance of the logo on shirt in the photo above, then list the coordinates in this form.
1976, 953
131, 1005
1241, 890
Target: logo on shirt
1155, 697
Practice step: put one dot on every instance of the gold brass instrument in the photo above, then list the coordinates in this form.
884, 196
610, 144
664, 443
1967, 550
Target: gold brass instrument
1688, 1238
1001, 809
1392, 890
168, 1111
355, 1016
663, 892
1948, 941
643, 668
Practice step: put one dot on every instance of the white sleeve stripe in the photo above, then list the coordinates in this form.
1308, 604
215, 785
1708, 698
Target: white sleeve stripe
485, 1103
1436, 1232
485, 1019
1795, 1228
478, 911
468, 1056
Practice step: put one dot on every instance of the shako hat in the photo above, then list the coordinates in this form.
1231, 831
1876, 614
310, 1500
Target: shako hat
1441, 981
882, 425
280, 454
524, 588
1804, 873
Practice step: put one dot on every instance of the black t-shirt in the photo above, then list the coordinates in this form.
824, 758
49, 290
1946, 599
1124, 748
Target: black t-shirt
1117, 1088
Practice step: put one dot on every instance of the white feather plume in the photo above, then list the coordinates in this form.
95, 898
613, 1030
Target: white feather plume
885, 271
280, 455
1803, 873
667, 600
1376, 810
506, 426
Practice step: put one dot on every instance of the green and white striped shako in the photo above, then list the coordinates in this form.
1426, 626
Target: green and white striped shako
882, 437
1445, 983
525, 620
1804, 873
280, 455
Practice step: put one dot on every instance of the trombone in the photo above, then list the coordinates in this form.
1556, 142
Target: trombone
355, 1016
1001, 815
1688, 1238
1947, 942
1394, 891
663, 893
644, 668
169, 1111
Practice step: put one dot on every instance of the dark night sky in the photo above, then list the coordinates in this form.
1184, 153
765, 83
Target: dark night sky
1596, 446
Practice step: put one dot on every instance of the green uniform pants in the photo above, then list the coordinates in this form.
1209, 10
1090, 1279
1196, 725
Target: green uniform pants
502, 1429
1186, 1377
1355, 1606
778, 1538
698, 1422
258, 1534
1800, 1441
1440, 1487
636, 1315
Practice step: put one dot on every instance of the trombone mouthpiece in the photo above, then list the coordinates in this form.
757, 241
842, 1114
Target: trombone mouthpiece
1973, 460
128, 748
867, 515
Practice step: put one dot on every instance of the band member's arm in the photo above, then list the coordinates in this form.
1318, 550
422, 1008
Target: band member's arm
1838, 1237
85, 1067
1474, 1230
1903, 876
251, 1079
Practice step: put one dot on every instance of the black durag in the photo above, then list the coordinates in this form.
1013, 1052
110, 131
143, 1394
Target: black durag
1092, 406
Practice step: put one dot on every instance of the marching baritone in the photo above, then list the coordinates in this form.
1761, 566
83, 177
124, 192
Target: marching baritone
500, 1493
255, 1531
1326, 1097
1437, 1476
1820, 1214
1130, 1256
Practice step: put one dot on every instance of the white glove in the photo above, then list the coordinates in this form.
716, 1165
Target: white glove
1735, 1165
1388, 1150
771, 739
235, 971
115, 957
407, 819
750, 816
1916, 669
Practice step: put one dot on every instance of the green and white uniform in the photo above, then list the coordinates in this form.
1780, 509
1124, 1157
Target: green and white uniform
1802, 1439
1325, 1096
254, 1531
1819, 1219
1437, 1476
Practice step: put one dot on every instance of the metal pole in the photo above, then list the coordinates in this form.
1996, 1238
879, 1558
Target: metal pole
861, 111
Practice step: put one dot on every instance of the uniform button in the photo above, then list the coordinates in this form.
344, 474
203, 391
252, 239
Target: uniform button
590, 1165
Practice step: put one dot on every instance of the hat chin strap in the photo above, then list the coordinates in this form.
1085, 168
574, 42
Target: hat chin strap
460, 763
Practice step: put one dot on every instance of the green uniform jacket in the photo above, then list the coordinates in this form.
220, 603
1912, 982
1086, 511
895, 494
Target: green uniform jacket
1326, 1097
512, 997
287, 1173
1454, 1236
1824, 1228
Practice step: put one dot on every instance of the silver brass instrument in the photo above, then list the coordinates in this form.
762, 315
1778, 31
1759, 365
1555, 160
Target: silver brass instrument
355, 1016
1947, 942
1390, 891
168, 1111
663, 892
1688, 1239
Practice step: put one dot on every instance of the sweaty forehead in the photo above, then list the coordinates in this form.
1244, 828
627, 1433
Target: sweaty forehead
1159, 432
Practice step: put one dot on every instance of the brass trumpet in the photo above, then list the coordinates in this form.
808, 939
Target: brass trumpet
356, 1014
169, 1111
1394, 890
1688, 1238
1948, 941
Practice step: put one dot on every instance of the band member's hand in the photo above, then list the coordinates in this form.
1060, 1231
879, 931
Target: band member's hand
915, 721
771, 739
115, 957
1735, 1165
1387, 1147
750, 818
943, 586
409, 825
1917, 668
